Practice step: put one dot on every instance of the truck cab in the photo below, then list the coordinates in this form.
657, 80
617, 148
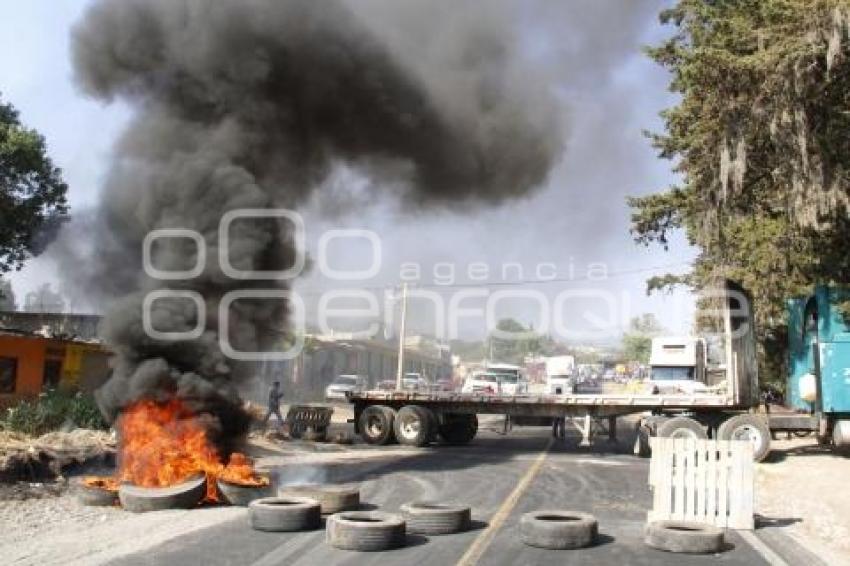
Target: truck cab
677, 365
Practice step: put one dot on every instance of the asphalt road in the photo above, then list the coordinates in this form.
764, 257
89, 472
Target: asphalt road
501, 478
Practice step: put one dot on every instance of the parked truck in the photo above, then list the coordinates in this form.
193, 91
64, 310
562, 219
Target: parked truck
723, 405
560, 374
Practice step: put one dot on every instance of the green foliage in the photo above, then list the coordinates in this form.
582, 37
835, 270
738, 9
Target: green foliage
52, 410
637, 342
32, 193
760, 139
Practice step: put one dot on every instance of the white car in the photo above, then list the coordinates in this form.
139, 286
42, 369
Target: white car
482, 382
495, 383
340, 387
415, 382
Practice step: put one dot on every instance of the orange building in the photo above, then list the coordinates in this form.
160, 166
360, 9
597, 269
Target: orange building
30, 363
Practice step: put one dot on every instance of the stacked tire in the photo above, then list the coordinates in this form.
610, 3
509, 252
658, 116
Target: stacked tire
558, 530
365, 531
427, 518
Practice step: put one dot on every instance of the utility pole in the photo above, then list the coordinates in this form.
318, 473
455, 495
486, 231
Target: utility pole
400, 372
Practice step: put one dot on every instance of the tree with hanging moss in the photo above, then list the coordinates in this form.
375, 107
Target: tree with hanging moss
32, 192
761, 140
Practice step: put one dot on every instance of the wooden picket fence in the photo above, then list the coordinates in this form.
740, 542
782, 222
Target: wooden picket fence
704, 481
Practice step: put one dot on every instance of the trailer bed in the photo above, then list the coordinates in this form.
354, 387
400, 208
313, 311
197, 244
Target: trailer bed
541, 405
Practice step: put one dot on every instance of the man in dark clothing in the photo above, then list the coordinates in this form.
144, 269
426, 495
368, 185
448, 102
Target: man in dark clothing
275, 395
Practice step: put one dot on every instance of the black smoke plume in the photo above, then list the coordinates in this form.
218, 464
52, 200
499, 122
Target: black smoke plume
252, 104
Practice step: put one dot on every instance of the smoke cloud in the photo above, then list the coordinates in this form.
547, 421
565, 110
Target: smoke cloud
253, 104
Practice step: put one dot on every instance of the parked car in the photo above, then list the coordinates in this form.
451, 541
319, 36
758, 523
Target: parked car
481, 382
444, 384
415, 382
386, 385
344, 384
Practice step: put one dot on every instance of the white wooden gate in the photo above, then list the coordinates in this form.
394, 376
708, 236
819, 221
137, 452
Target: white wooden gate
705, 481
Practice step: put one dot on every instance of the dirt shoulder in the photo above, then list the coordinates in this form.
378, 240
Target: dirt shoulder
803, 489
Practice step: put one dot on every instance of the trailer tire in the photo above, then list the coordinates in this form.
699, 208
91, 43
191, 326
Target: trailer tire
558, 529
682, 427
376, 425
414, 425
365, 531
458, 428
427, 518
747, 427
284, 514
683, 537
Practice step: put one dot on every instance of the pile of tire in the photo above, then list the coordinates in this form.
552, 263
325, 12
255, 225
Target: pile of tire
284, 514
332, 498
684, 537
428, 518
558, 529
366, 531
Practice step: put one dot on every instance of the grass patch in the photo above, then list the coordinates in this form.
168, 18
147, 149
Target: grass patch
51, 411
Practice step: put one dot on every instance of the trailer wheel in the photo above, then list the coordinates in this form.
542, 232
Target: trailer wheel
747, 427
376, 424
681, 427
458, 428
414, 425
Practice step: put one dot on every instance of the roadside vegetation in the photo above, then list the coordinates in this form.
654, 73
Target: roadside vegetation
53, 410
759, 136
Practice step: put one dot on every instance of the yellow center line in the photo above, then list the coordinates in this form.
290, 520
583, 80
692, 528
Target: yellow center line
476, 550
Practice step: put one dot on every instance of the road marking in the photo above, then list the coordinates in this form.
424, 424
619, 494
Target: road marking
759, 546
480, 544
599, 462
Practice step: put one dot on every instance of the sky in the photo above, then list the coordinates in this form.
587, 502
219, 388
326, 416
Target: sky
575, 228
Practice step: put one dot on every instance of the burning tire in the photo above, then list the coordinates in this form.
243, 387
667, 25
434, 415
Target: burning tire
376, 424
435, 518
331, 498
94, 492
685, 537
241, 495
414, 426
747, 427
558, 529
181, 496
458, 428
285, 514
365, 531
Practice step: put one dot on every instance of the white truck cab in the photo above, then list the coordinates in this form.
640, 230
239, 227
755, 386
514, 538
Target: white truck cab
677, 365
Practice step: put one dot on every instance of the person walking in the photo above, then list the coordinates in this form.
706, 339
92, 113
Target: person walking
275, 395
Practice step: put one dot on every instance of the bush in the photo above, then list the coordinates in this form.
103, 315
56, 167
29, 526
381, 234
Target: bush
52, 410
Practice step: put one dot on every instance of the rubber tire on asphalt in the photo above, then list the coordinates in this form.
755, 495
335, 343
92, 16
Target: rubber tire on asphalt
558, 529
727, 429
684, 537
385, 417
185, 495
365, 531
285, 514
682, 427
414, 414
242, 495
458, 428
331, 498
94, 496
427, 518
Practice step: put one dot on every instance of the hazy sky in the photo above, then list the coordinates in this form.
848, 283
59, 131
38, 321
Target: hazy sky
609, 90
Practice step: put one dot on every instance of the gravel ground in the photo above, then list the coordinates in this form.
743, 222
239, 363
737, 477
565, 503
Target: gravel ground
804, 488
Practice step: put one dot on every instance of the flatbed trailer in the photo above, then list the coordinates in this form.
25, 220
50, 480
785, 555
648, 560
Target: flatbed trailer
726, 410
418, 418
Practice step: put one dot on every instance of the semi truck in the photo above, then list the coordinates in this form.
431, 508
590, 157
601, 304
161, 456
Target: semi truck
725, 406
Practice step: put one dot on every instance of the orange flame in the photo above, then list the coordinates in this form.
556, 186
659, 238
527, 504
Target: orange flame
163, 444
106, 483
